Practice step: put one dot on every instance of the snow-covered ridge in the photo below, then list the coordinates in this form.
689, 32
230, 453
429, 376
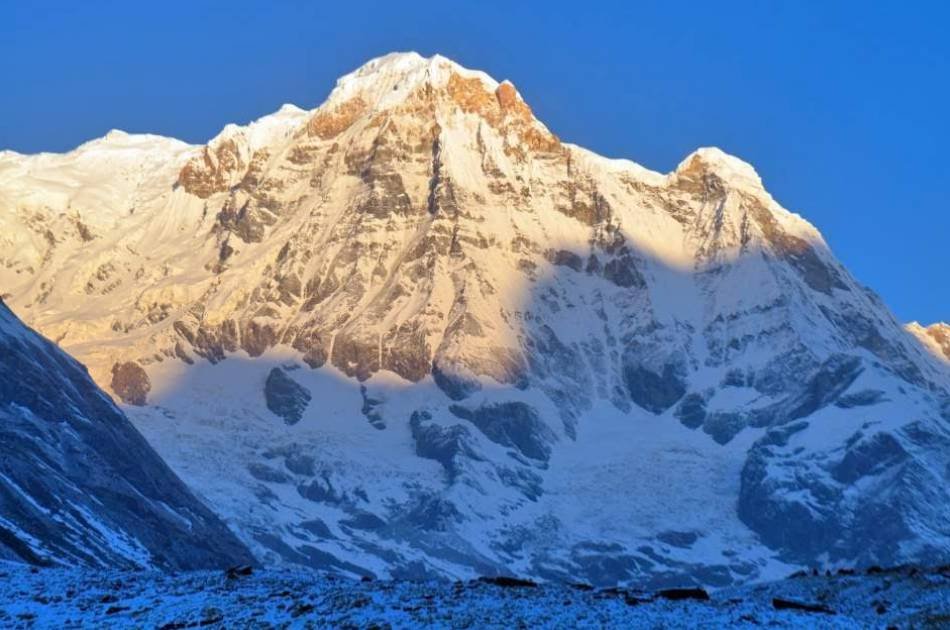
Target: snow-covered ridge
383, 81
391, 78
729, 167
113, 140
266, 130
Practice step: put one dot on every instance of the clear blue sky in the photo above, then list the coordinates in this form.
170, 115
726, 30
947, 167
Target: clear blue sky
842, 107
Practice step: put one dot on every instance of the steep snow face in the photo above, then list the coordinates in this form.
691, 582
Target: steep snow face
412, 331
78, 484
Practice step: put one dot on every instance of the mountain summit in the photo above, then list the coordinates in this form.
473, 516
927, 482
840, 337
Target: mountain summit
413, 332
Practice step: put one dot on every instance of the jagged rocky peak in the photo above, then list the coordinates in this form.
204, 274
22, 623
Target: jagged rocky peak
432, 88
936, 337
368, 98
392, 79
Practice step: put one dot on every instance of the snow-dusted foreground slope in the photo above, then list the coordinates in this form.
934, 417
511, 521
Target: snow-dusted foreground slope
66, 599
411, 332
78, 484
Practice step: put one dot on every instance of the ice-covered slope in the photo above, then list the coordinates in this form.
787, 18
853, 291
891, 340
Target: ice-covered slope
79, 485
412, 331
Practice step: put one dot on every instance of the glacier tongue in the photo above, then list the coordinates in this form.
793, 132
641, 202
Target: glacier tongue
495, 351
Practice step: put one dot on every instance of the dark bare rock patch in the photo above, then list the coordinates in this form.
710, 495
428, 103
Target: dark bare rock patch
285, 397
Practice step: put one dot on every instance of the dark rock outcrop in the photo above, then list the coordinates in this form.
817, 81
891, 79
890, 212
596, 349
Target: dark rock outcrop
692, 411
864, 398
130, 383
833, 377
779, 603
285, 397
446, 445
454, 386
512, 424
654, 391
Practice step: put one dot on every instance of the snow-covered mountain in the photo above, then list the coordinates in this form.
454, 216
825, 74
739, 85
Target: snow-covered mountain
412, 332
79, 486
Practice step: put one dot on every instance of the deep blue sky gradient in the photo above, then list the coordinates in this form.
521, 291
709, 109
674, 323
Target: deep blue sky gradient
842, 107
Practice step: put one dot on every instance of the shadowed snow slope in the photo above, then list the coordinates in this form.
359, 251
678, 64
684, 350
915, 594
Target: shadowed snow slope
78, 484
412, 332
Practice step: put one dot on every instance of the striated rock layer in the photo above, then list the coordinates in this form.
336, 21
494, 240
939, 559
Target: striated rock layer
495, 351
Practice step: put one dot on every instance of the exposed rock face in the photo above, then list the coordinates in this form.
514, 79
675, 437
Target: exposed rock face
654, 392
78, 484
512, 424
285, 397
516, 345
213, 171
935, 337
330, 124
840, 524
130, 383
448, 446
